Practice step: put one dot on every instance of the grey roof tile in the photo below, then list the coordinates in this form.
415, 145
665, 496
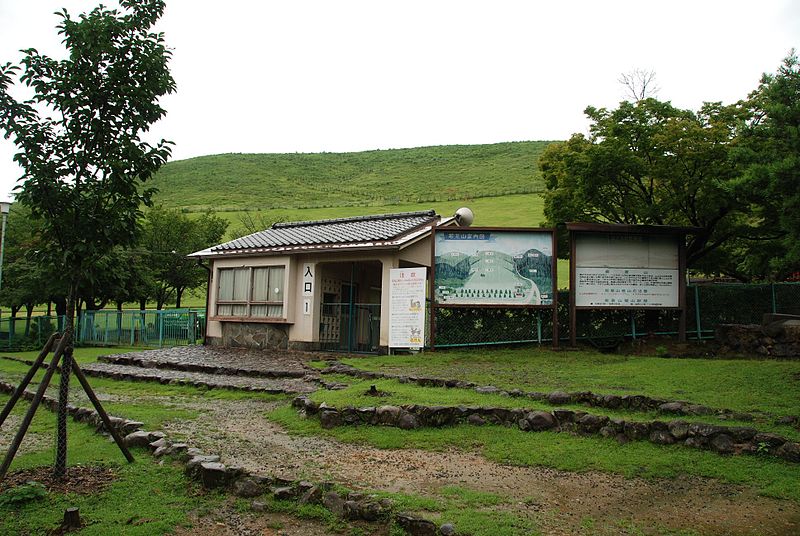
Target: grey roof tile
379, 227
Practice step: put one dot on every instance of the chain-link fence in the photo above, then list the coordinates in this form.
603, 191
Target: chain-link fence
707, 306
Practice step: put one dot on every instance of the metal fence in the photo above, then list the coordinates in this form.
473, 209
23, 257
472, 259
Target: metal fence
707, 306
152, 329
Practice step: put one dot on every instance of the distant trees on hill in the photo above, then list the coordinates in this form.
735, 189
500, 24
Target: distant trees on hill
733, 171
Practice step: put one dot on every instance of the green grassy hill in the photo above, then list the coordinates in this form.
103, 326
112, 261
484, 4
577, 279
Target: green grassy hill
420, 176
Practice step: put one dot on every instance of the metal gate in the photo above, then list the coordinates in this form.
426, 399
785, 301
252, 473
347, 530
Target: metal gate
350, 327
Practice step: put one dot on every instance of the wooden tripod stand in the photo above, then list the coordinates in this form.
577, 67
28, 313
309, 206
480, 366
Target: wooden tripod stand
61, 349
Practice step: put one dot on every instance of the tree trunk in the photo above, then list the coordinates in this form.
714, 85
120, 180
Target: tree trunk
49, 308
142, 304
178, 294
60, 466
61, 311
28, 314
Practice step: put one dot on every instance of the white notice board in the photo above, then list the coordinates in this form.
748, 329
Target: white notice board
626, 270
407, 307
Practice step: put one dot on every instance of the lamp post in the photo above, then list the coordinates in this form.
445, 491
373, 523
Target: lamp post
5, 206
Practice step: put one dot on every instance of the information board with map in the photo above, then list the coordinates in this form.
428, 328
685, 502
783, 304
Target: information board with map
479, 267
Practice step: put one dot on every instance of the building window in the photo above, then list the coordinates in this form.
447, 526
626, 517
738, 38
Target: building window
254, 292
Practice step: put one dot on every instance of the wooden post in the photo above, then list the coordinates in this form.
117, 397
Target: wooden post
27, 379
432, 291
72, 519
573, 315
100, 411
554, 273
37, 399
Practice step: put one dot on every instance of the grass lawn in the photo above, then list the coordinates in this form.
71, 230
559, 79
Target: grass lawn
145, 497
567, 452
405, 393
742, 385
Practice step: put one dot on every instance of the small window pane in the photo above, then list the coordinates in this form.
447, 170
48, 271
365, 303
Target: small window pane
224, 310
239, 310
276, 284
266, 311
225, 285
241, 284
260, 284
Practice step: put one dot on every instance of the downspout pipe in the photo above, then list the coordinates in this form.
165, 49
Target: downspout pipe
207, 268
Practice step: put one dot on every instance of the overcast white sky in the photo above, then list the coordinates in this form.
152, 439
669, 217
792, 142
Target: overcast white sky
311, 76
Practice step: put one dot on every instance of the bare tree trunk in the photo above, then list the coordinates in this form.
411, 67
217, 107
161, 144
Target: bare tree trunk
178, 293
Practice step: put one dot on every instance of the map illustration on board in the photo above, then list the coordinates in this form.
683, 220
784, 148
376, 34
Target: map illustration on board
476, 267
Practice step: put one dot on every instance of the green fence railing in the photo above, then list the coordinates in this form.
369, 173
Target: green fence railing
151, 329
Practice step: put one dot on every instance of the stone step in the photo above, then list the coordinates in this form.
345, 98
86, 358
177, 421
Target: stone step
200, 379
212, 361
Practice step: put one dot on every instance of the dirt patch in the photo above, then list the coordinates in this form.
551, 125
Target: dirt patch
560, 502
79, 479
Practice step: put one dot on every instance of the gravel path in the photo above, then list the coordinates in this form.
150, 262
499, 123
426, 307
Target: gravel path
558, 501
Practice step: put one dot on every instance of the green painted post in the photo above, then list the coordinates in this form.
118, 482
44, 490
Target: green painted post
633, 325
105, 337
774, 300
133, 318
697, 312
160, 320
539, 326
193, 325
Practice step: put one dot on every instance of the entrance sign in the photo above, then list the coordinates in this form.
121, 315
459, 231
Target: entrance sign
407, 307
308, 279
494, 267
615, 270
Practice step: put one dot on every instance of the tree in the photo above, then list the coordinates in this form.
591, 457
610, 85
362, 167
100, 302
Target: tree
648, 162
639, 84
168, 238
79, 138
770, 147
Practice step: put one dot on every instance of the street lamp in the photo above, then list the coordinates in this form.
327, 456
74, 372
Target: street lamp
5, 206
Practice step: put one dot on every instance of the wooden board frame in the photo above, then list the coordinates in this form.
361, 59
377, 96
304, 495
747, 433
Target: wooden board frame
679, 233
554, 270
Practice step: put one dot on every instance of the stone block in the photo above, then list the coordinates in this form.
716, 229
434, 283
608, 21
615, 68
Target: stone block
247, 487
333, 502
559, 398
416, 526
213, 475
722, 444
540, 420
330, 418
137, 439
679, 429
661, 437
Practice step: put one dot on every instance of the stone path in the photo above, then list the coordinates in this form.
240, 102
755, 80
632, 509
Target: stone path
201, 379
216, 360
222, 368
